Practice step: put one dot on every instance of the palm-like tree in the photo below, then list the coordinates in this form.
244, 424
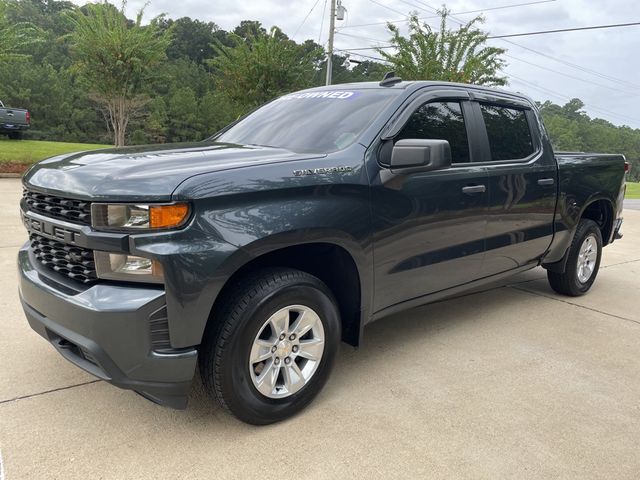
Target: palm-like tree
14, 37
452, 55
116, 58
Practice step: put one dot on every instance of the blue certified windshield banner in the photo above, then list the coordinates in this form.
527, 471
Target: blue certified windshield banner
324, 94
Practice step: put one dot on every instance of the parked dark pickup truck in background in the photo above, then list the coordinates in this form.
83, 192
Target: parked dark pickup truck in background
14, 121
252, 254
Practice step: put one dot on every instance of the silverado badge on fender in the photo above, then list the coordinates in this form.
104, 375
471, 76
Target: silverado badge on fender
321, 171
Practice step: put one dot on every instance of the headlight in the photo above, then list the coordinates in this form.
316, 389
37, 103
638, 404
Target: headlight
127, 268
131, 217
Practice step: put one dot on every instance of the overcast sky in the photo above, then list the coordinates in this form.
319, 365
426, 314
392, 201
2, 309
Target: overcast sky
610, 52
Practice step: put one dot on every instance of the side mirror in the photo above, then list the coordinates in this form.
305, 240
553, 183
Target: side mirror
414, 155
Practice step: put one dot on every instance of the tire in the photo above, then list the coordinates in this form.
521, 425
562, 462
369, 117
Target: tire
244, 323
573, 282
15, 135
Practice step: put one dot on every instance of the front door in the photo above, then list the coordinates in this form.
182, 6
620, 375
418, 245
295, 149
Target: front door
429, 227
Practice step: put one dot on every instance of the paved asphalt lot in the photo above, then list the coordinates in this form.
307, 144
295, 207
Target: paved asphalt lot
511, 382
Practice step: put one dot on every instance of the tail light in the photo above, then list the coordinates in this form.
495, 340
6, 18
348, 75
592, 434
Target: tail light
28, 118
627, 167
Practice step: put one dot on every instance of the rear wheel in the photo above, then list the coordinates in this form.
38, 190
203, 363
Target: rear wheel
583, 263
15, 135
272, 345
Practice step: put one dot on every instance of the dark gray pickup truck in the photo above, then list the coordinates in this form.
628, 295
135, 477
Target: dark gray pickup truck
251, 255
14, 121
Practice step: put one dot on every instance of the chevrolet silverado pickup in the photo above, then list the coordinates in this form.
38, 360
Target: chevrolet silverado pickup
251, 255
14, 121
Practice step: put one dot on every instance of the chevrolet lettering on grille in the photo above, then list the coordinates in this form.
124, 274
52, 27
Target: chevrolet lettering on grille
49, 230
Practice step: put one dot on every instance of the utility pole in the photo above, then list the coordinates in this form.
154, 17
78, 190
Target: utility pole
332, 28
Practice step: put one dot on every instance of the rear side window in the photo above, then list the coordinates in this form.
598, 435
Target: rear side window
508, 131
440, 121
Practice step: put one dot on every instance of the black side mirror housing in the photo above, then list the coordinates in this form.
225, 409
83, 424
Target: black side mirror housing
416, 155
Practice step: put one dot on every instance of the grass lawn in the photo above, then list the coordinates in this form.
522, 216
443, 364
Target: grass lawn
633, 190
16, 155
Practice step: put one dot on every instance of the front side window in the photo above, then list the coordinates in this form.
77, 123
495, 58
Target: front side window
508, 131
440, 121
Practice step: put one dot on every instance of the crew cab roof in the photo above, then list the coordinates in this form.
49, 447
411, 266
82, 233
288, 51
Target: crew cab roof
413, 85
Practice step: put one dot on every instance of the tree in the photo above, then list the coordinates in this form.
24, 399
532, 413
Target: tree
452, 55
249, 29
14, 37
571, 129
192, 39
116, 59
261, 67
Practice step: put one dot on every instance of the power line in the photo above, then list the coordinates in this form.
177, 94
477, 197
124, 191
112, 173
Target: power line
546, 91
362, 38
455, 13
584, 69
570, 76
411, 4
460, 22
371, 48
494, 37
305, 19
573, 65
549, 92
622, 82
388, 7
362, 55
535, 51
324, 10
575, 29
433, 9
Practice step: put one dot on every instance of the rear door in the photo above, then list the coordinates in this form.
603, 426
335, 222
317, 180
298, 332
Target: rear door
522, 184
429, 227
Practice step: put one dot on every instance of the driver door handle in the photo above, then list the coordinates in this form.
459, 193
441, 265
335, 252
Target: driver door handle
546, 181
473, 189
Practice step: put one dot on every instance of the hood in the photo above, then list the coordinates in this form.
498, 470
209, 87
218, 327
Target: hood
149, 173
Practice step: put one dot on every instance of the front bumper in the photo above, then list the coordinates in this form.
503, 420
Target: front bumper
108, 330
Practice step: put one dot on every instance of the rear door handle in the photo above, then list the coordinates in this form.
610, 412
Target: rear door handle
471, 189
546, 181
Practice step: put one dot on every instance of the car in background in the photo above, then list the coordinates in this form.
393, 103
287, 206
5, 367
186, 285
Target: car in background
14, 121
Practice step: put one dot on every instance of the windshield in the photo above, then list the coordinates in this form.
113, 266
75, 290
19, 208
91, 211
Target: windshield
310, 122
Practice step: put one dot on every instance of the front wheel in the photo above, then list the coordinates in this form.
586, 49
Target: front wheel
271, 346
583, 263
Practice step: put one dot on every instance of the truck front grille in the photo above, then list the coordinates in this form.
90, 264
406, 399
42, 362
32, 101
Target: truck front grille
70, 210
74, 262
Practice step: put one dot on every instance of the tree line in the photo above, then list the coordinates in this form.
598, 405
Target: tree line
90, 74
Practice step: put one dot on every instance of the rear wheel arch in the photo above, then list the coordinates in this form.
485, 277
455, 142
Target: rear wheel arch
601, 211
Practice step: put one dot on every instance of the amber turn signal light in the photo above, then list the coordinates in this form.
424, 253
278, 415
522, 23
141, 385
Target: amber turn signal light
168, 216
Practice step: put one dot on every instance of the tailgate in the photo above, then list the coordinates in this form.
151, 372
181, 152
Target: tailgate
14, 116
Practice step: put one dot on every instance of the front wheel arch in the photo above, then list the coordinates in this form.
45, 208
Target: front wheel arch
333, 264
